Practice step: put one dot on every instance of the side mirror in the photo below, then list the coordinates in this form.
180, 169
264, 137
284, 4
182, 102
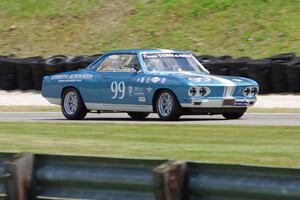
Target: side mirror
136, 67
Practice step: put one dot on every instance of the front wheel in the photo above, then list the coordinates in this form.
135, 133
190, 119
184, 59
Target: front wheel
234, 115
138, 115
167, 106
72, 105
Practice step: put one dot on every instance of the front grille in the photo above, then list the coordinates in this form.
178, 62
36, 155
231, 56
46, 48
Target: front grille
197, 103
228, 102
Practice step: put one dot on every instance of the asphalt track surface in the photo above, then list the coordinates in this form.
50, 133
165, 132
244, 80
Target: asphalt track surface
262, 119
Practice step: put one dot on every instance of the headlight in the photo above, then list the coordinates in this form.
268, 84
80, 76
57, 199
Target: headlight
199, 91
254, 91
250, 91
192, 91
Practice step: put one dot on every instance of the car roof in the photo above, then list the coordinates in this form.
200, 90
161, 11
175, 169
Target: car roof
131, 51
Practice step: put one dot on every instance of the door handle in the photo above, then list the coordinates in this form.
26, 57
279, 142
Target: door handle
106, 77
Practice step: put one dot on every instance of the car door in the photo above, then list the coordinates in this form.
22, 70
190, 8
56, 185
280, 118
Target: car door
119, 74
125, 90
105, 71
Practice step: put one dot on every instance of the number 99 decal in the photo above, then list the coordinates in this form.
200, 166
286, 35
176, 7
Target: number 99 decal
118, 89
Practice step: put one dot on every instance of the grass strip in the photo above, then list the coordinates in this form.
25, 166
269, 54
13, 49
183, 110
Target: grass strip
255, 145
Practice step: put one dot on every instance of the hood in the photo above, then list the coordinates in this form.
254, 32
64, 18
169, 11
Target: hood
196, 78
240, 80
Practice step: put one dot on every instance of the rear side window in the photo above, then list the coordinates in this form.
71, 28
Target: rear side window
119, 63
109, 63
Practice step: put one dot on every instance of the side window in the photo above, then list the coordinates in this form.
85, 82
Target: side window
127, 63
109, 64
119, 63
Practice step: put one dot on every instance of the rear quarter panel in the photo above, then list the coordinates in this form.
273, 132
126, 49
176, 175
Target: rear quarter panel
53, 85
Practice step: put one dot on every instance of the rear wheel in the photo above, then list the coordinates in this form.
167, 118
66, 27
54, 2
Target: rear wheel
234, 115
167, 106
72, 105
138, 115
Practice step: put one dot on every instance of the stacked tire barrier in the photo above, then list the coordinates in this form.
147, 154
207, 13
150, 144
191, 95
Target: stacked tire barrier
8, 73
28, 73
293, 74
38, 72
277, 74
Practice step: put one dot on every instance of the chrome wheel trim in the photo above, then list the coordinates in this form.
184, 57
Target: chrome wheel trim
70, 103
165, 104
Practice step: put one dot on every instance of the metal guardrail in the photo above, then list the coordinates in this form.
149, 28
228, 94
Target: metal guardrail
29, 176
3, 157
94, 178
219, 181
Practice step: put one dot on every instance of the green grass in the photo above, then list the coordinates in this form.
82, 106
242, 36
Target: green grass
30, 109
46, 8
256, 28
272, 146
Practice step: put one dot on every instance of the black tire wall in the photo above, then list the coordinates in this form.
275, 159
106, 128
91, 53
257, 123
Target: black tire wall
25, 73
38, 72
276, 74
8, 73
260, 71
293, 75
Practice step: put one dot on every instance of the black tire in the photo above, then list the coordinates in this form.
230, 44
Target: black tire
233, 115
75, 63
138, 115
175, 109
79, 111
55, 64
38, 72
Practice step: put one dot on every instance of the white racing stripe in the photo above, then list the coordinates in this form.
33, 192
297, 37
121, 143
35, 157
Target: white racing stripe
229, 85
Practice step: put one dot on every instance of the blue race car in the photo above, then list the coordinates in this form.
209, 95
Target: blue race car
169, 83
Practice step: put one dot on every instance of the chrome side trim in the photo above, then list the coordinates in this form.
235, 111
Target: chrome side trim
119, 107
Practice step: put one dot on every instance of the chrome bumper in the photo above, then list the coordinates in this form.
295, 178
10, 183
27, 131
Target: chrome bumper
219, 103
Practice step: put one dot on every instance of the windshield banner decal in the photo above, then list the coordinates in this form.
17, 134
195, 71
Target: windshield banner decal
166, 55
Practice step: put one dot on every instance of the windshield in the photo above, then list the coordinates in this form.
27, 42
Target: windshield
171, 62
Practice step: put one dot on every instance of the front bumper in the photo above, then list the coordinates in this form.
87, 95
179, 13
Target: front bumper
219, 103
